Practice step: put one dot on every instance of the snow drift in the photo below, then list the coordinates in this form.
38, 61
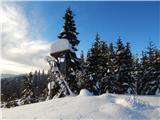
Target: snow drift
106, 106
85, 93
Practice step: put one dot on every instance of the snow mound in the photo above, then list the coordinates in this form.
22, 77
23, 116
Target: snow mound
123, 102
108, 97
85, 92
130, 102
106, 106
60, 45
138, 104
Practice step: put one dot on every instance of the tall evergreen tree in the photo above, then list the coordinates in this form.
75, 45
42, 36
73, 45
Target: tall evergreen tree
93, 67
142, 72
118, 70
157, 68
136, 73
72, 62
123, 63
109, 77
35, 82
103, 67
82, 61
150, 78
28, 95
81, 74
97, 66
128, 70
69, 29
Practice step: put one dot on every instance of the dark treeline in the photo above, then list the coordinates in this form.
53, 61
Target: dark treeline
13, 89
115, 69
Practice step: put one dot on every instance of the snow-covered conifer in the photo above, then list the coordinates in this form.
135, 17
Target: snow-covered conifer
70, 33
109, 77
28, 95
94, 70
122, 68
151, 70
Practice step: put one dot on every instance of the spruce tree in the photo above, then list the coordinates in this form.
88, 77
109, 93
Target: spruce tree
136, 73
157, 68
82, 61
118, 70
122, 68
142, 72
150, 78
94, 67
130, 85
35, 82
109, 76
154, 69
69, 29
72, 62
43, 92
28, 95
81, 74
103, 67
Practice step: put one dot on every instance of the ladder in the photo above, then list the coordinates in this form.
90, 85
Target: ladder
59, 79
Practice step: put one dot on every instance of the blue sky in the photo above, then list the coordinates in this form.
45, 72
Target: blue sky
135, 22
29, 28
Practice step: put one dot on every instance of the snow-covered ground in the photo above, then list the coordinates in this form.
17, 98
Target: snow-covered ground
86, 106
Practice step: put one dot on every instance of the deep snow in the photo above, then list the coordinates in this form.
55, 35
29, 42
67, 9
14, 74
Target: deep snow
60, 45
87, 106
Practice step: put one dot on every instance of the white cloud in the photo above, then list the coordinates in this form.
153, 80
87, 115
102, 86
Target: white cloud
17, 43
15, 68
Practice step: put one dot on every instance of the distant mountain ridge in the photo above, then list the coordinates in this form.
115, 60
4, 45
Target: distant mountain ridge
5, 75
